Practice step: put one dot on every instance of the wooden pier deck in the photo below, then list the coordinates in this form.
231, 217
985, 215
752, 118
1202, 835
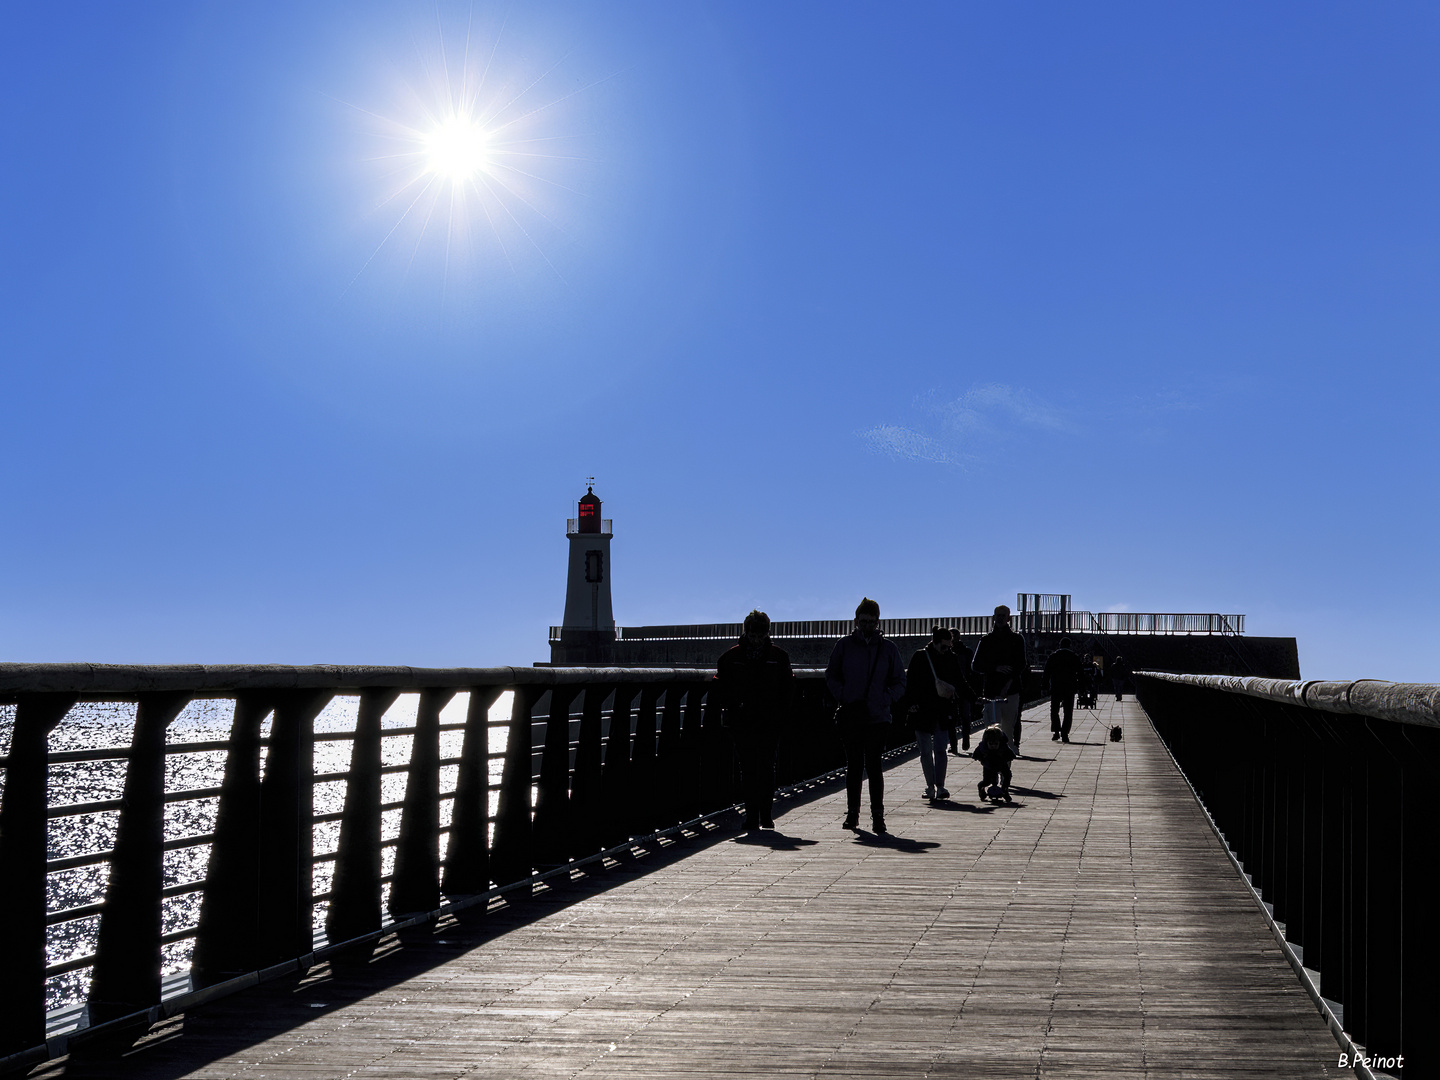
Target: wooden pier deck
1095, 928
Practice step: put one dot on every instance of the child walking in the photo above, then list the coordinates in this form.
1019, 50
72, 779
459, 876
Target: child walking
995, 756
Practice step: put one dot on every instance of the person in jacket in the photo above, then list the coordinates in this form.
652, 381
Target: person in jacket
755, 684
1000, 662
1119, 674
1062, 672
965, 699
994, 755
932, 688
866, 675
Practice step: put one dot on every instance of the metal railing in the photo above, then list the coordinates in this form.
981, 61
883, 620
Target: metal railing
305, 850
572, 527
1030, 622
1325, 793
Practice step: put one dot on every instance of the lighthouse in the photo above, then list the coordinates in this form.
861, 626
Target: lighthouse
588, 628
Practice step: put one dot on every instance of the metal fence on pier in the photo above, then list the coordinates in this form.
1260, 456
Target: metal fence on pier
321, 819
1325, 793
1029, 622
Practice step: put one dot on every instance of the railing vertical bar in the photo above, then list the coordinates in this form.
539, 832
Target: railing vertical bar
1419, 884
225, 941
467, 859
355, 893
1382, 883
670, 774
285, 908
416, 885
615, 777
127, 954
552, 794
586, 791
642, 811
22, 869
511, 857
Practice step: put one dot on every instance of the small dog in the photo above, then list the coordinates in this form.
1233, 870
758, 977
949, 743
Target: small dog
1115, 733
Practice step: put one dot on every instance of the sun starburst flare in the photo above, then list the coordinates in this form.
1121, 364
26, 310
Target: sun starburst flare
475, 168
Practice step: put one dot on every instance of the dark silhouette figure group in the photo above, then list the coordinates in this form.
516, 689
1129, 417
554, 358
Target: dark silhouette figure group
938, 694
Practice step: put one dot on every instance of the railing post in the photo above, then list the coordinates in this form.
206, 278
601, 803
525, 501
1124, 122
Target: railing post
552, 792
467, 859
1333, 962
284, 909
1419, 884
1357, 798
715, 749
22, 869
615, 778
127, 957
1383, 884
415, 888
225, 942
688, 801
642, 764
586, 791
511, 858
1313, 843
670, 773
355, 889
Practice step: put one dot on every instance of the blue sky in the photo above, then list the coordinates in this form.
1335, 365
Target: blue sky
929, 302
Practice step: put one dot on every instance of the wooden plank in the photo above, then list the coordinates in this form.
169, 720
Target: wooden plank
1094, 928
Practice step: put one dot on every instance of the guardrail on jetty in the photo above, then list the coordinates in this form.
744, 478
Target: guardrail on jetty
1030, 622
1325, 793
591, 758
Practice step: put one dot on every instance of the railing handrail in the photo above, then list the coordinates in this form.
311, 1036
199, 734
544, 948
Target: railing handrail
1404, 703
223, 680
1060, 622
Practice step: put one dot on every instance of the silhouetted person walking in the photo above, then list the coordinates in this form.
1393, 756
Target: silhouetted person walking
866, 676
1062, 672
965, 699
755, 684
1120, 673
1000, 661
932, 689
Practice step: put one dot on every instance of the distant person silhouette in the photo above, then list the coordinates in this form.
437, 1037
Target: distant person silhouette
755, 684
1062, 672
1119, 674
995, 756
1000, 661
965, 700
932, 686
866, 676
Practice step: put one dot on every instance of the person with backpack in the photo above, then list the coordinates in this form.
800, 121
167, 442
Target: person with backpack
866, 675
1000, 660
1062, 672
755, 686
933, 687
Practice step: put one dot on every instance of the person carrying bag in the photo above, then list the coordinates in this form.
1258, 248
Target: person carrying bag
866, 676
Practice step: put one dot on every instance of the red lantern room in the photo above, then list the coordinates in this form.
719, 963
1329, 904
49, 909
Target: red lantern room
589, 512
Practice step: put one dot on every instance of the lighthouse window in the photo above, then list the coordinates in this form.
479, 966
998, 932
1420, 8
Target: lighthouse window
594, 566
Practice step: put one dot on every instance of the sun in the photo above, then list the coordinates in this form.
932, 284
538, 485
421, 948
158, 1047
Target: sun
458, 149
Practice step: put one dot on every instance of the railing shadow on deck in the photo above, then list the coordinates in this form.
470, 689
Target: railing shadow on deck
1325, 792
585, 759
186, 1041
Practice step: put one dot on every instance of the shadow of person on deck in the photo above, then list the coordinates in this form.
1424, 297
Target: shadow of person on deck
890, 840
773, 838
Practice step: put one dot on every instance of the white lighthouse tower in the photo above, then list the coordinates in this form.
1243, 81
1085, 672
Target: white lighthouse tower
588, 628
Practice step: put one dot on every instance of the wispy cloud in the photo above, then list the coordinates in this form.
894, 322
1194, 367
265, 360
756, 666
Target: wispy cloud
955, 431
907, 443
